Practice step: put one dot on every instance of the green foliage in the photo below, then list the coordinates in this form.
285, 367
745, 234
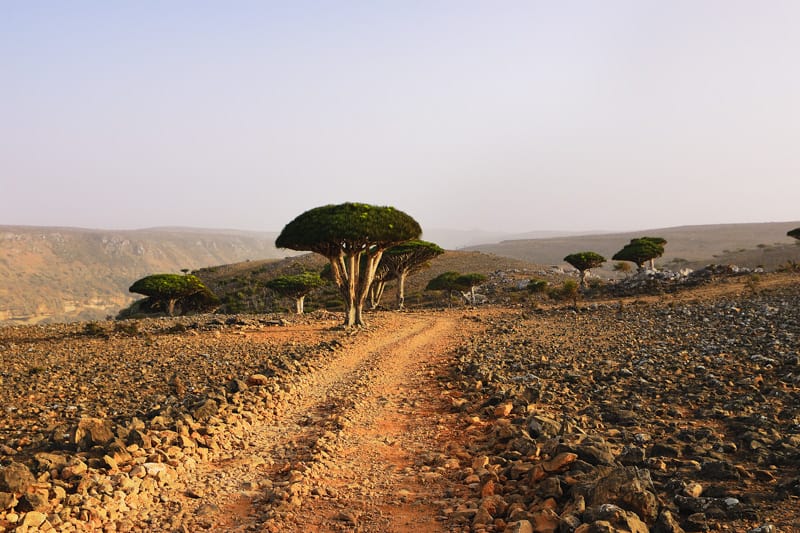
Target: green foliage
537, 285
412, 253
166, 290
641, 250
444, 282
794, 233
168, 286
297, 285
454, 281
353, 237
351, 227
584, 261
469, 281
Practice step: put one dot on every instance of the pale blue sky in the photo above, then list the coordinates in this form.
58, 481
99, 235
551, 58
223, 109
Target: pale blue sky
501, 116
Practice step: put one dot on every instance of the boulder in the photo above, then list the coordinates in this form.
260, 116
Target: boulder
15, 478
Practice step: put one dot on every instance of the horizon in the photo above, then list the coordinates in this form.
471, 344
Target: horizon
564, 233
566, 117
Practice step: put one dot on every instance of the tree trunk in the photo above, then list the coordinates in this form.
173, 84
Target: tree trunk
376, 293
171, 306
583, 278
401, 284
299, 304
653, 264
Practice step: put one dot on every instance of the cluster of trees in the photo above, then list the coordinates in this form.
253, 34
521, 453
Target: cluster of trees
638, 251
366, 246
455, 282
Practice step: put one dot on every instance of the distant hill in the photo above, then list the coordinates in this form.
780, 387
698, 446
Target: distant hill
742, 244
456, 239
64, 274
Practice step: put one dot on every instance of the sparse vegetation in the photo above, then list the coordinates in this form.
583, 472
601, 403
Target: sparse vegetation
537, 286
93, 329
753, 282
622, 267
568, 290
344, 234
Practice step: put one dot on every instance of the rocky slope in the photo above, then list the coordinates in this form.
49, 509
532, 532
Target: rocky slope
64, 274
661, 414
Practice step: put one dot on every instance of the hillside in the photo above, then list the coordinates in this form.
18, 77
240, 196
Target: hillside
691, 245
240, 285
65, 274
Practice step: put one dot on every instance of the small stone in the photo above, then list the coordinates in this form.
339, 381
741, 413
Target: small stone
520, 526
545, 521
693, 490
482, 517
480, 462
258, 380
34, 519
503, 409
560, 462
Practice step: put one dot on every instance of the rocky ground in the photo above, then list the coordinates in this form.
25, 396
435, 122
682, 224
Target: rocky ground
670, 413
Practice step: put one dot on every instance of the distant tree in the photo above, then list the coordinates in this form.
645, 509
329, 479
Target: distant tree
445, 281
382, 276
584, 261
794, 233
641, 250
166, 290
296, 286
468, 282
344, 234
401, 260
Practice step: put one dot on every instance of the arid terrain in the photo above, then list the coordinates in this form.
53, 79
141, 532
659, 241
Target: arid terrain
67, 274
659, 413
71, 274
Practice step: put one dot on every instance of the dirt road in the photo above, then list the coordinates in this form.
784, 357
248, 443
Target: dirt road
358, 446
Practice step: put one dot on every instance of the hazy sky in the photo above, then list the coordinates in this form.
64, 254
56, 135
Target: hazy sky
493, 115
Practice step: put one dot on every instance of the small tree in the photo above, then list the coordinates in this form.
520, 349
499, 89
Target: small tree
584, 261
567, 291
468, 282
169, 289
445, 281
794, 233
404, 259
642, 250
344, 234
297, 286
